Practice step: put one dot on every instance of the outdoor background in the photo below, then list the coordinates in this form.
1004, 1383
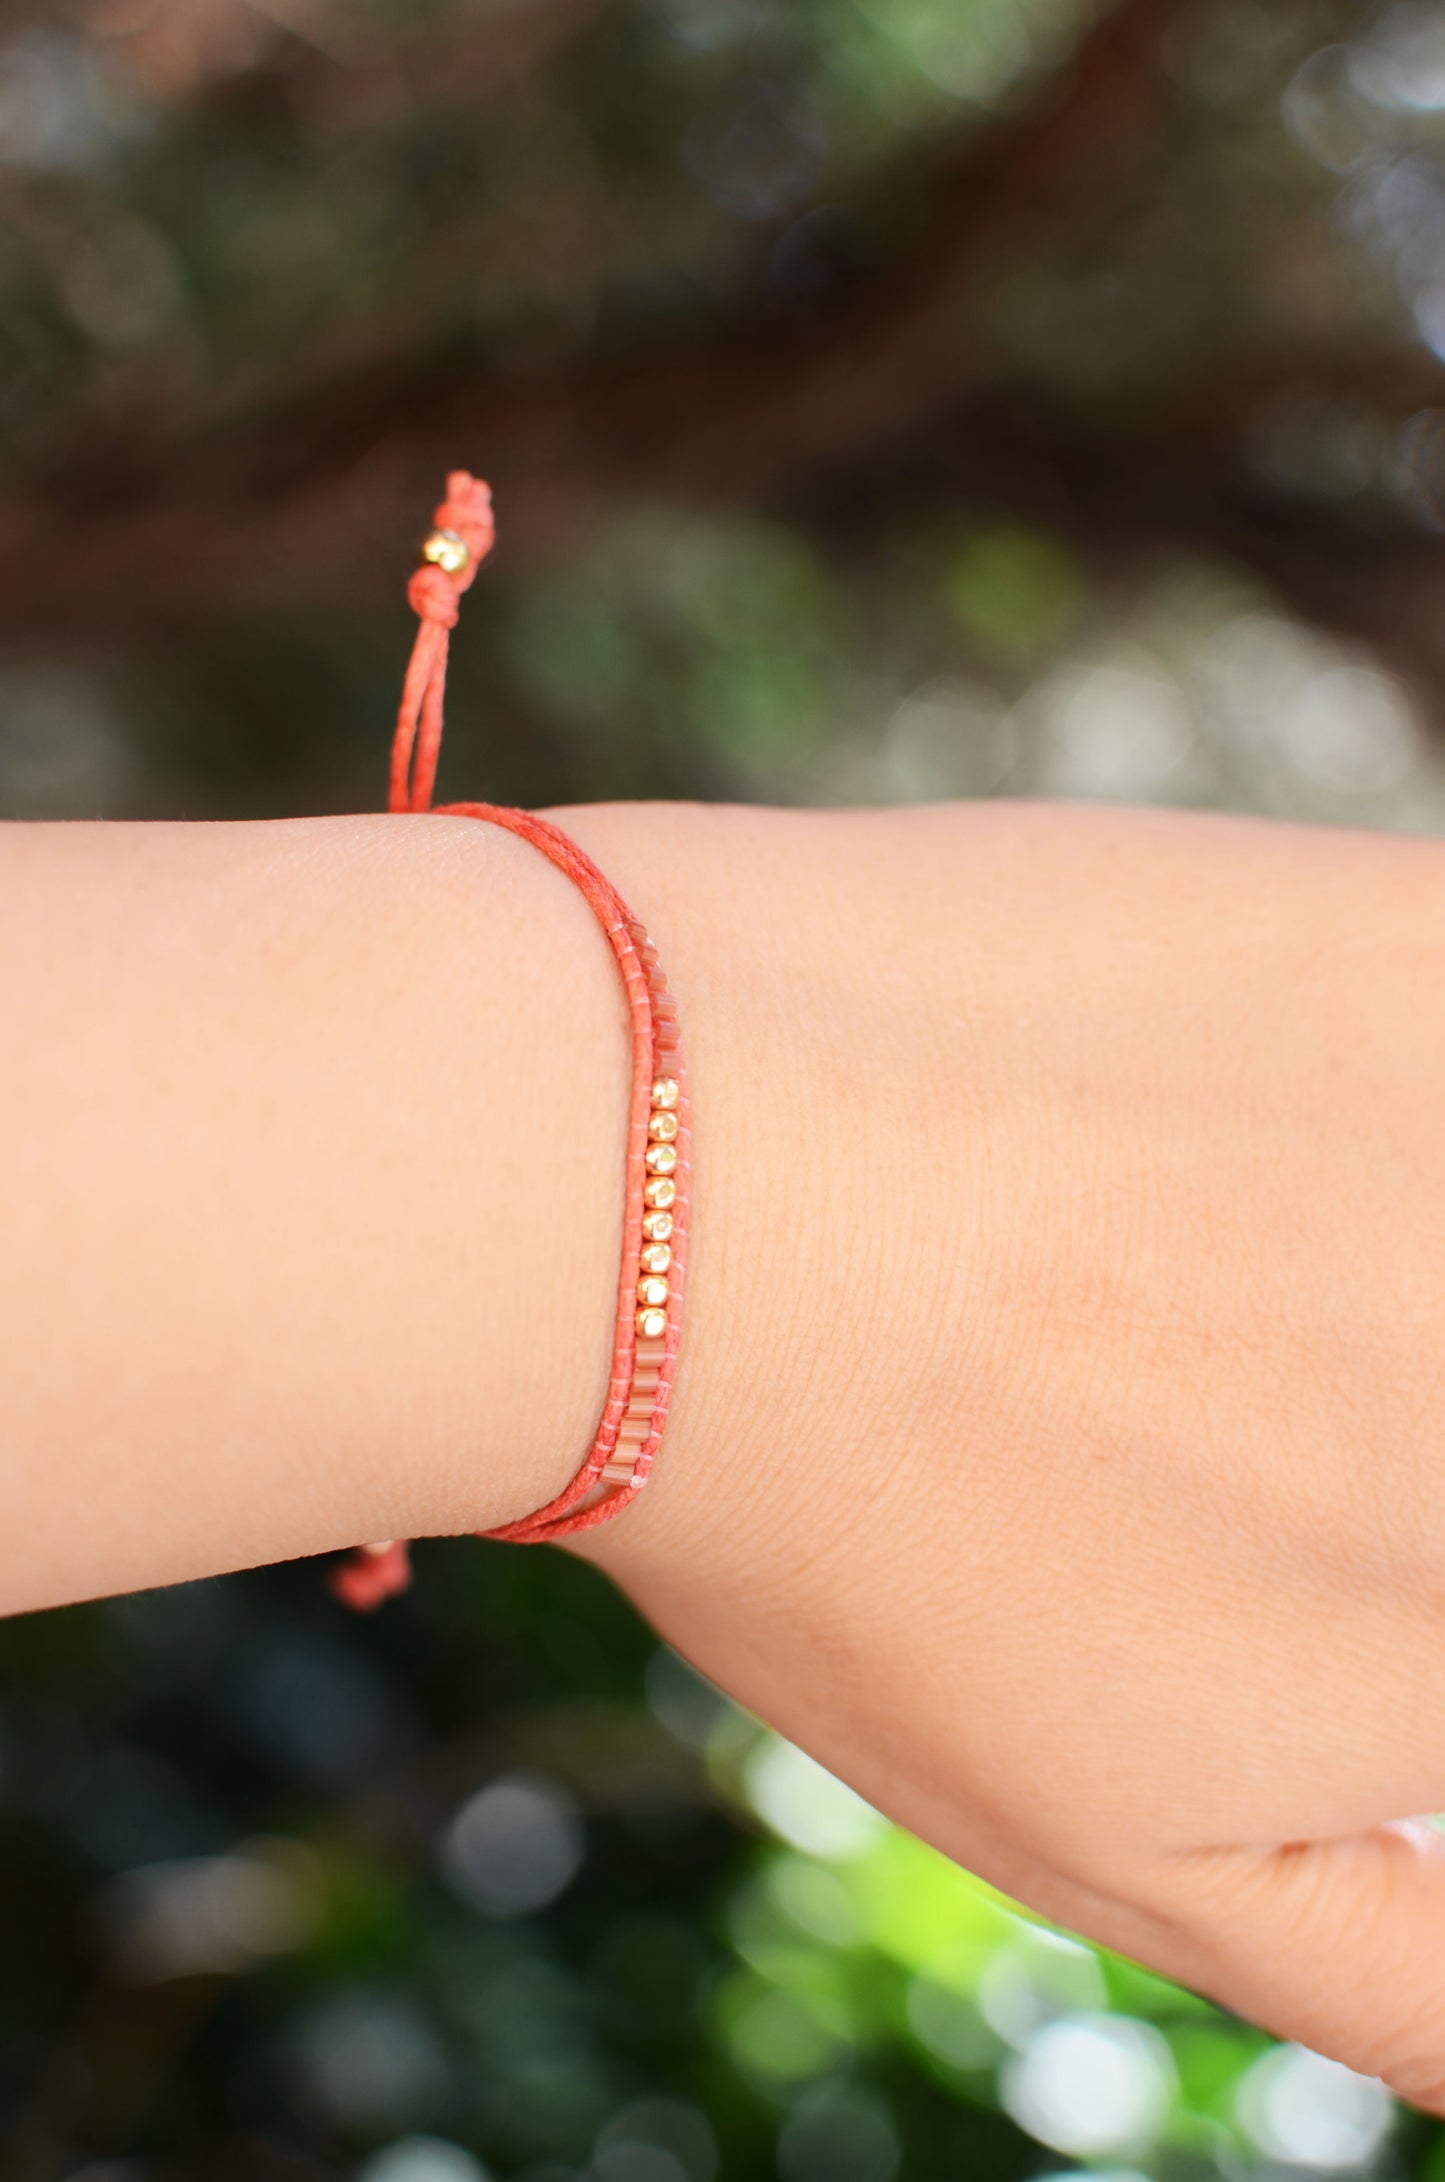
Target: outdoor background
885, 399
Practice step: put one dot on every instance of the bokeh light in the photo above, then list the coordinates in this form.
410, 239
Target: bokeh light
423, 2159
211, 1913
1311, 2113
839, 2132
514, 1845
1091, 2084
656, 2140
806, 1805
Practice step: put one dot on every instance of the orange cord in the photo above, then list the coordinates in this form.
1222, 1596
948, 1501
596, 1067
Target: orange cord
659, 1164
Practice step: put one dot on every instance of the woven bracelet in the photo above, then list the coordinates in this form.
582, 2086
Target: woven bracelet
654, 1226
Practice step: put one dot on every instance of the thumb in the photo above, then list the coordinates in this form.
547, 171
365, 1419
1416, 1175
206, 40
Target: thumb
1339, 1945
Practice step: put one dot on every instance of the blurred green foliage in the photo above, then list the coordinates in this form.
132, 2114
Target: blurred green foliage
887, 399
494, 1884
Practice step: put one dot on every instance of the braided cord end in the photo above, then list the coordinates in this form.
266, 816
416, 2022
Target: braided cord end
451, 554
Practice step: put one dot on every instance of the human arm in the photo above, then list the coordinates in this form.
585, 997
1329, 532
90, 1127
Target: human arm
1055, 1451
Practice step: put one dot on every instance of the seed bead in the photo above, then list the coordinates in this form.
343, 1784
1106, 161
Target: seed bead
657, 1226
661, 1158
656, 1258
660, 1192
652, 1323
662, 1128
665, 1092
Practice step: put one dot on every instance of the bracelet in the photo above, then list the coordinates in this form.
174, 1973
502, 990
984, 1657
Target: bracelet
654, 1227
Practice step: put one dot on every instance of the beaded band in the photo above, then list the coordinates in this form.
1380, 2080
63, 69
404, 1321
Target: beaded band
654, 1227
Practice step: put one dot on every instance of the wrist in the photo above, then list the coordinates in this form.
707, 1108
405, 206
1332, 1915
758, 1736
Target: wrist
521, 1118
828, 1129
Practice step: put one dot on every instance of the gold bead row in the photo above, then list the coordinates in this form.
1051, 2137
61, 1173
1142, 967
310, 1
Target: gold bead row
655, 1263
659, 1194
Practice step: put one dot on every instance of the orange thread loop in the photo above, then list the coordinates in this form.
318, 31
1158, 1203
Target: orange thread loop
655, 1218
432, 595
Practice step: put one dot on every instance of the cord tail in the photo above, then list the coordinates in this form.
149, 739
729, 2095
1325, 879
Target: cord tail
453, 551
460, 540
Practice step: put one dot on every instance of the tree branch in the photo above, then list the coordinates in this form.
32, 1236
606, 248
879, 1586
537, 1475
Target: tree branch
310, 504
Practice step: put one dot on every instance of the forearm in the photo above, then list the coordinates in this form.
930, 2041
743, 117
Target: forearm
311, 1180
311, 1137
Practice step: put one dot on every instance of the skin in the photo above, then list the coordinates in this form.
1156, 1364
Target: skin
1059, 1425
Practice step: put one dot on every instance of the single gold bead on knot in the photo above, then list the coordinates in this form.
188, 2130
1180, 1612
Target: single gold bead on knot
659, 1192
665, 1091
446, 551
652, 1290
662, 1128
657, 1226
652, 1323
661, 1158
656, 1257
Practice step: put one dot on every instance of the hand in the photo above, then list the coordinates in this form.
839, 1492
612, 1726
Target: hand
1059, 1450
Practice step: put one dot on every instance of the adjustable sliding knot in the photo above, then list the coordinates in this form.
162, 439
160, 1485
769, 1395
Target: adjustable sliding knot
433, 595
451, 556
465, 519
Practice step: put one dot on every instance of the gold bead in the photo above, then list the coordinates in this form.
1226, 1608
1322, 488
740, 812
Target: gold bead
657, 1226
652, 1290
661, 1158
446, 551
656, 1258
652, 1324
662, 1128
659, 1192
665, 1091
